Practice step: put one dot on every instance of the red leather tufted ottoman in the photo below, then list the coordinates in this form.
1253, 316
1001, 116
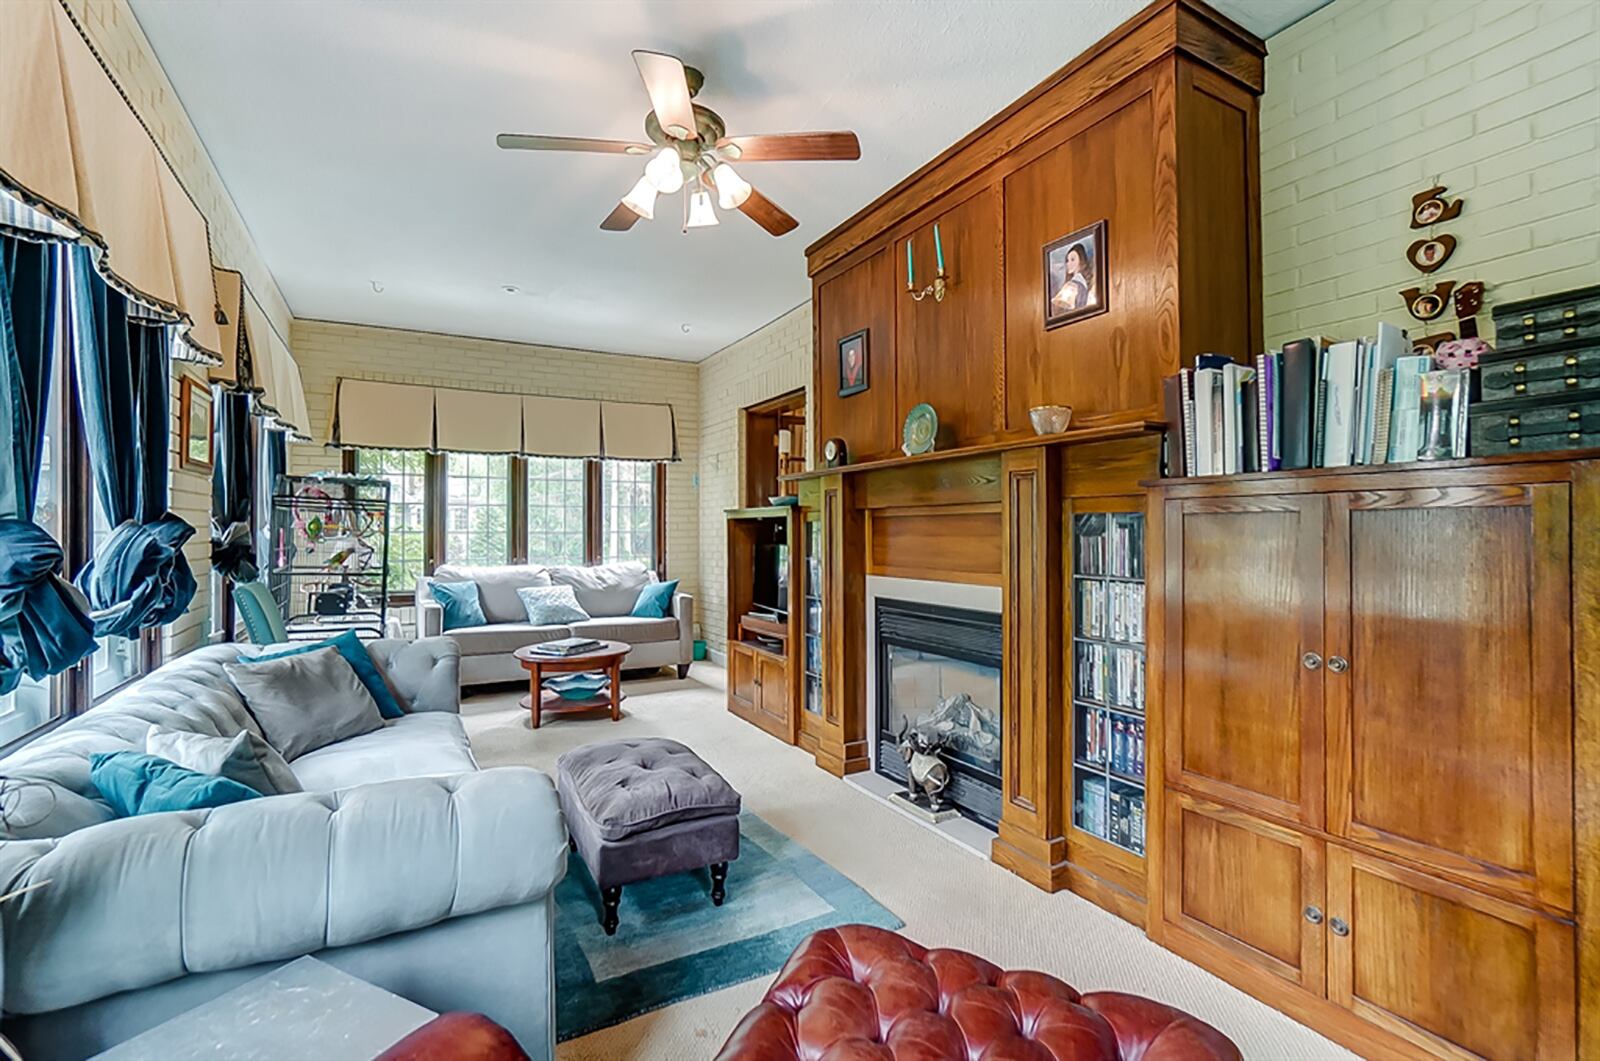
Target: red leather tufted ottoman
857, 993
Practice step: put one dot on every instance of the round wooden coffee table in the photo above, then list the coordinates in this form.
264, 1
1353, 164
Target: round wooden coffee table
607, 658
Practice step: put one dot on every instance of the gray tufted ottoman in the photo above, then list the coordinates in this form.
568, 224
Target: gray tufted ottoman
640, 809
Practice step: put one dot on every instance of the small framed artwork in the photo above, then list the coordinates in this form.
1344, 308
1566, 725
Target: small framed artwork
1075, 276
853, 363
194, 413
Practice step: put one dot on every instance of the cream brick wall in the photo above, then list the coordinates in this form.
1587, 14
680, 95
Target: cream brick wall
115, 34
768, 362
327, 351
1371, 101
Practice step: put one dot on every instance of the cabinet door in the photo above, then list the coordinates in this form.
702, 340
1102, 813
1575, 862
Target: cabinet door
1451, 725
1246, 886
774, 691
1445, 967
1244, 634
742, 675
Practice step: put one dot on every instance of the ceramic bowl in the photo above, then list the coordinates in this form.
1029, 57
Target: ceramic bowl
1050, 419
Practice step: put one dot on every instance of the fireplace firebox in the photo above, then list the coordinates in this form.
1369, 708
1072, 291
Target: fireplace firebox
938, 669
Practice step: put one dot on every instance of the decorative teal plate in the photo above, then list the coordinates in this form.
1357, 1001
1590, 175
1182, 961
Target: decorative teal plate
922, 428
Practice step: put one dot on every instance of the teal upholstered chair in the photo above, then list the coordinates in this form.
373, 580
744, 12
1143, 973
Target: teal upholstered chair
263, 623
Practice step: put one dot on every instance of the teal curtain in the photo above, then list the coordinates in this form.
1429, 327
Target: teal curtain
139, 576
43, 626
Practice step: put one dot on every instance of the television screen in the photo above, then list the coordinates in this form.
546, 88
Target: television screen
771, 591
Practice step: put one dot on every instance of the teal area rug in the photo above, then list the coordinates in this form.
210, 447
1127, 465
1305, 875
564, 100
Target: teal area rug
673, 944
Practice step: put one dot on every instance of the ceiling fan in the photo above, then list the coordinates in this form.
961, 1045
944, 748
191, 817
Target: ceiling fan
690, 150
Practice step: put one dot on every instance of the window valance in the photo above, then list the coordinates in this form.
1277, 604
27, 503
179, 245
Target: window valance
371, 414
76, 163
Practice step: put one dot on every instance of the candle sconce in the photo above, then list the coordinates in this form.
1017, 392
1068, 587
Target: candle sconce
937, 288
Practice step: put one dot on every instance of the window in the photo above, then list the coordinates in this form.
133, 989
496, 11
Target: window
627, 511
119, 660
477, 508
407, 473
557, 510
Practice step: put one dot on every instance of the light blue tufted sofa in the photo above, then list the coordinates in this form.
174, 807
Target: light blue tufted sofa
402, 864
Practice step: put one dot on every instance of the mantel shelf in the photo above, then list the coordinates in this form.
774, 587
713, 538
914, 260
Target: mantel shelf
1097, 433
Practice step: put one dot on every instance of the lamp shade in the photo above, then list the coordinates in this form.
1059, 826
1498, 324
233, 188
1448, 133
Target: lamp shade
732, 189
665, 171
642, 199
701, 212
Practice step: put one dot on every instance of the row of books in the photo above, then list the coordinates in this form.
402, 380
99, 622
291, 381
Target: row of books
1118, 744
1110, 674
1110, 544
1316, 403
1116, 815
1111, 610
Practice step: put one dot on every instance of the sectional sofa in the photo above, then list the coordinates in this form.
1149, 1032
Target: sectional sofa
401, 863
606, 591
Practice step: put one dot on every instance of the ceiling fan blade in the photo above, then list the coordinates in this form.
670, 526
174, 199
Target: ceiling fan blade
768, 214
664, 80
619, 220
839, 146
521, 142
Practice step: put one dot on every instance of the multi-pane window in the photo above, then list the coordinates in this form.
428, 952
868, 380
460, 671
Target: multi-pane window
477, 508
627, 511
407, 473
557, 510
118, 660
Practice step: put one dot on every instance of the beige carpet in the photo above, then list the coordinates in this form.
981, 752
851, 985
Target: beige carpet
946, 895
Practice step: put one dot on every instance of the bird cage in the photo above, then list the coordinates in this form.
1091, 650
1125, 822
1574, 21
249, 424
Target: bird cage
328, 556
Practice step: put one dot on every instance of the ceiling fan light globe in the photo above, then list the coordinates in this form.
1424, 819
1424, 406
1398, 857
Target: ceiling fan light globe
665, 171
701, 212
642, 199
732, 189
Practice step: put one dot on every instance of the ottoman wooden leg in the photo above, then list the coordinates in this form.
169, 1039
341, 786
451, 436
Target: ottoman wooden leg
719, 882
610, 898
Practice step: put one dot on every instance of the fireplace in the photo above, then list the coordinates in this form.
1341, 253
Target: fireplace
938, 668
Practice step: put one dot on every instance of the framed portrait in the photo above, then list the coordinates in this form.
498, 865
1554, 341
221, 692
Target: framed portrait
853, 363
1075, 276
194, 413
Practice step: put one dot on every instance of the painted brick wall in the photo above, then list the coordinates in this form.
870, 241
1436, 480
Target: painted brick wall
764, 364
1369, 102
115, 34
327, 351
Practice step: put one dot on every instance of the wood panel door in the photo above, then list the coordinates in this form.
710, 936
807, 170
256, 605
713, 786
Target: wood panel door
948, 353
772, 680
1448, 968
1250, 888
742, 679
1449, 684
1244, 636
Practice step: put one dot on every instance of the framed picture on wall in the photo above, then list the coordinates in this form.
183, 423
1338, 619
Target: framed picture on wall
1075, 276
194, 414
853, 363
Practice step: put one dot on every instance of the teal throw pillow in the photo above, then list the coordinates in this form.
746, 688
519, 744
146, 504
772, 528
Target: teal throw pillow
460, 603
136, 783
360, 660
551, 605
655, 600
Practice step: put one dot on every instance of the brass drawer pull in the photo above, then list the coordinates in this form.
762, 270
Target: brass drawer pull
1569, 313
1515, 421
1573, 436
1520, 387
1528, 337
1573, 415
1569, 362
1515, 442
1569, 330
1520, 367
1572, 381
1528, 320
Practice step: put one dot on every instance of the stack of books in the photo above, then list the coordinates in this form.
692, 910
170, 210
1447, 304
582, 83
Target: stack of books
1316, 403
567, 646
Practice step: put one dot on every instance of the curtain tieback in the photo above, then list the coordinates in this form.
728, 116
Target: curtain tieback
139, 576
233, 552
44, 628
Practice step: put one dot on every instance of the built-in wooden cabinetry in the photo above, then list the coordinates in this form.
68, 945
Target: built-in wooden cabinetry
762, 681
1375, 730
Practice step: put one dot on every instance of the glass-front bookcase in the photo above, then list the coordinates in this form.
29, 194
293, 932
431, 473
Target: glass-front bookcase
1108, 672
811, 691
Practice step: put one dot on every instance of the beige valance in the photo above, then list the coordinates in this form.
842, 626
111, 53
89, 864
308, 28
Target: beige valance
77, 163
477, 421
560, 427
274, 372
376, 415
637, 431
230, 330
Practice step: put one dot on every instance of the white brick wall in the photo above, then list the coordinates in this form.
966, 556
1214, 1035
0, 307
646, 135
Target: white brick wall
764, 364
1371, 101
327, 351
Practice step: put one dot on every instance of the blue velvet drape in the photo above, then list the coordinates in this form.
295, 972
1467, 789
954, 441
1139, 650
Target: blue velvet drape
43, 627
139, 576
232, 488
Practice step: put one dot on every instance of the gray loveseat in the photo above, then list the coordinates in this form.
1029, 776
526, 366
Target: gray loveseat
606, 591
402, 863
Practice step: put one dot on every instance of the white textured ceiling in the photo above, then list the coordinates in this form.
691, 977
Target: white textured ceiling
357, 138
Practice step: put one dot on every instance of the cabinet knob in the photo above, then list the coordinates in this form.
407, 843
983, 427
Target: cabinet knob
1314, 915
1340, 928
1311, 660
1338, 664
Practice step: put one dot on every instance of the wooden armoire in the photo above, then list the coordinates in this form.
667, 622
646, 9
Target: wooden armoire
1378, 699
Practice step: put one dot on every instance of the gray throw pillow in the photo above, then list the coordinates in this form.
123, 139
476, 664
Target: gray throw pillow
306, 701
243, 757
551, 605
